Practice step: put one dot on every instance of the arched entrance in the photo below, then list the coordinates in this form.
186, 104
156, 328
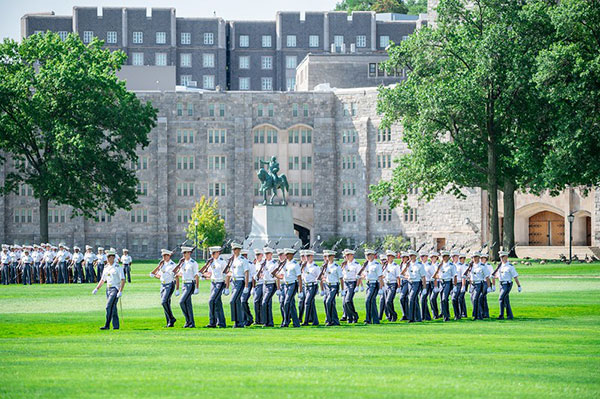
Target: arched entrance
546, 228
303, 234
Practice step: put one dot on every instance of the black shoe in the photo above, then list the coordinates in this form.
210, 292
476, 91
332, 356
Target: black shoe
500, 317
186, 326
210, 326
104, 328
412, 321
305, 324
509, 318
344, 319
115, 328
367, 322
171, 325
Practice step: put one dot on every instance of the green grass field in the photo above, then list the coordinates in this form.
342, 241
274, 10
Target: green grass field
50, 346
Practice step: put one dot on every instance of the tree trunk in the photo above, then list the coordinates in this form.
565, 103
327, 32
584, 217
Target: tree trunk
509, 218
44, 219
492, 180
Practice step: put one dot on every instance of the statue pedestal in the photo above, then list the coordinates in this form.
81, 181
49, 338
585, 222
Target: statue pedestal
271, 223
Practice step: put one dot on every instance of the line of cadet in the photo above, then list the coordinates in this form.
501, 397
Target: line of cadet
417, 279
50, 264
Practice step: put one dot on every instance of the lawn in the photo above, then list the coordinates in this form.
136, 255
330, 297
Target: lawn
50, 346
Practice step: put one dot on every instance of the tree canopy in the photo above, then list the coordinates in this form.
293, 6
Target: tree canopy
206, 222
414, 7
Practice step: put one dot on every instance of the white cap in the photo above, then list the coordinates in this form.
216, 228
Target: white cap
125, 250
268, 250
244, 252
309, 252
186, 249
258, 251
390, 253
348, 251
445, 253
477, 253
328, 252
76, 248
484, 255
503, 253
369, 252
166, 252
110, 253
88, 247
100, 249
214, 249
434, 253
289, 251
412, 252
280, 251
235, 245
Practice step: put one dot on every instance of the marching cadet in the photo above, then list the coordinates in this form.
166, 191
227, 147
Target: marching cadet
484, 301
113, 276
13, 264
310, 274
462, 257
188, 272
281, 291
350, 276
332, 277
68, 261
117, 258
480, 280
48, 263
460, 269
506, 273
240, 271
427, 287
374, 275
435, 282
77, 264
89, 258
270, 287
301, 295
258, 282
249, 320
59, 264
5, 260
292, 279
37, 257
447, 275
392, 280
126, 261
166, 272
416, 275
25, 265
100, 261
404, 286
216, 265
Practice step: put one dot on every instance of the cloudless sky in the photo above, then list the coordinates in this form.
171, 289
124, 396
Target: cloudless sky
11, 11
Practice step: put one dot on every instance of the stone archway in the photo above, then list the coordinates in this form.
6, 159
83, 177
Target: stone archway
546, 228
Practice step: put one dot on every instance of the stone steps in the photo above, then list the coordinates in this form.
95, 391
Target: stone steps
554, 252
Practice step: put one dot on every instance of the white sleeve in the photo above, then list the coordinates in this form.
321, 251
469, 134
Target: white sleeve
121, 274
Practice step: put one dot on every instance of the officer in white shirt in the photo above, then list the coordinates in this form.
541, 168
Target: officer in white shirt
462, 304
36, 256
447, 276
506, 273
282, 287
484, 301
270, 287
14, 258
77, 264
60, 263
113, 276
392, 284
416, 275
311, 287
435, 282
249, 319
166, 272
25, 264
126, 261
214, 272
332, 277
51, 274
5, 260
480, 280
373, 273
302, 295
89, 258
292, 277
350, 270
188, 272
404, 285
100, 261
258, 285
240, 272
459, 268
428, 287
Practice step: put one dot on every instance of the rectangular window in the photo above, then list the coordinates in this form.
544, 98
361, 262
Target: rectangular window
208, 60
291, 61
216, 136
270, 110
186, 80
63, 35
361, 41
161, 37
245, 62
380, 70
294, 110
291, 41
137, 59
139, 216
259, 110
186, 38
290, 84
306, 136
266, 84
372, 69
185, 189
208, 82
138, 37
185, 162
142, 188
211, 109
216, 189
353, 108
183, 215
266, 62
293, 136
244, 40
185, 60
217, 162
190, 109
185, 136
266, 41
88, 36
244, 83
338, 40
209, 38
221, 109
179, 109
384, 41
305, 110
306, 163
161, 59
313, 41
111, 37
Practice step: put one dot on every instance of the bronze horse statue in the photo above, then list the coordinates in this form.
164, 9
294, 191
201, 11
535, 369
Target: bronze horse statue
269, 185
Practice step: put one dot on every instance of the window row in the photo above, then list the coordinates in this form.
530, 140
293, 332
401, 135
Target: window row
208, 60
377, 69
384, 134
296, 136
349, 109
208, 81
297, 163
410, 215
348, 161
384, 161
188, 109
296, 190
349, 189
296, 108
348, 215
349, 136
267, 135
208, 38
384, 215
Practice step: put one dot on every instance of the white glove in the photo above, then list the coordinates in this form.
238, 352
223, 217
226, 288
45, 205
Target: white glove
246, 290
356, 289
424, 292
380, 292
95, 291
398, 290
301, 295
119, 294
344, 292
253, 290
196, 291
493, 288
226, 291
519, 288
323, 293
489, 289
152, 275
462, 289
176, 292
362, 288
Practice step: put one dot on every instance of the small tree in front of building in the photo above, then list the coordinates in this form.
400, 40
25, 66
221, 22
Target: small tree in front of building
206, 227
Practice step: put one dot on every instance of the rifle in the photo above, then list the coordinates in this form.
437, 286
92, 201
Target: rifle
176, 270
322, 274
259, 275
500, 263
276, 271
362, 269
384, 265
206, 266
229, 263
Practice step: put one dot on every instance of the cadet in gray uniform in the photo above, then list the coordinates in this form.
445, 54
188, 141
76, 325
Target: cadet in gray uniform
258, 283
459, 267
392, 279
447, 275
484, 301
292, 277
332, 277
189, 274
25, 263
100, 261
5, 260
427, 287
506, 273
77, 264
481, 281
37, 257
115, 282
270, 287
350, 271
126, 261
281, 292
310, 275
249, 320
302, 295
166, 271
214, 271
404, 286
435, 282
374, 275
89, 258
415, 273
240, 272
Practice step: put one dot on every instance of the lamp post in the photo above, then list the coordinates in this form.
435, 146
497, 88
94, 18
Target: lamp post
571, 217
196, 238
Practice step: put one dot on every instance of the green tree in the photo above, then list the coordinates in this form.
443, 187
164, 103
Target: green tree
206, 222
379, 6
395, 243
69, 124
416, 7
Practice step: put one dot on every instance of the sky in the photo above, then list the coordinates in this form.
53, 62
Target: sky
12, 10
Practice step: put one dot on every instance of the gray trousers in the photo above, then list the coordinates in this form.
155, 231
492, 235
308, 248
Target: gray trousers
166, 292
476, 296
289, 306
127, 272
63, 277
484, 303
389, 295
266, 307
13, 273
310, 310
330, 306
237, 312
348, 302
258, 298
5, 274
100, 271
216, 316
462, 301
78, 277
26, 276
90, 275
111, 308
404, 288
246, 306
36, 272
301, 303
456, 300
414, 312
433, 297
49, 273
371, 303
282, 300
504, 299
446, 288
425, 315
186, 304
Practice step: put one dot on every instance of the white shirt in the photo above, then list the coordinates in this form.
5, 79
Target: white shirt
447, 272
126, 260
479, 272
460, 269
13, 256
334, 273
37, 256
507, 272
48, 256
113, 274
429, 271
416, 271
89, 257
26, 259
239, 267
258, 266
61, 256
374, 271
216, 270
77, 257
392, 272
189, 270
269, 268
291, 271
311, 273
402, 266
350, 271
166, 272
251, 269
101, 258
5, 258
